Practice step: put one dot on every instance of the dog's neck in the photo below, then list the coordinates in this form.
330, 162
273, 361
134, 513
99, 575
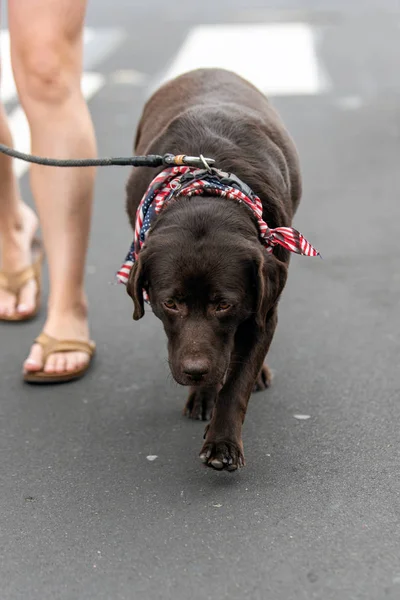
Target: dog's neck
175, 183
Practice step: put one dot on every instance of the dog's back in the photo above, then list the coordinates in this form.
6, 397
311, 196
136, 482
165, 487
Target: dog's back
218, 114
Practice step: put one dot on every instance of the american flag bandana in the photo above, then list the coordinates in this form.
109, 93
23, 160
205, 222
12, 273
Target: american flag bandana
175, 182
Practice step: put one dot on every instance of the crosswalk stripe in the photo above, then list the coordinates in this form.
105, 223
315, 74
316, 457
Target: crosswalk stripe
99, 43
279, 58
7, 87
20, 133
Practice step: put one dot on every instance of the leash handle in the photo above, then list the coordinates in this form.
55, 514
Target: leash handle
151, 160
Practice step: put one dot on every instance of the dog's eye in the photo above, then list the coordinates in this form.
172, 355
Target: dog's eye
221, 306
170, 304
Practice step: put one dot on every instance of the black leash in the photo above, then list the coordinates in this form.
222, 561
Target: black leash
152, 160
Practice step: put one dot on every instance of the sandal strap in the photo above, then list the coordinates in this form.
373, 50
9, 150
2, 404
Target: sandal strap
51, 345
13, 282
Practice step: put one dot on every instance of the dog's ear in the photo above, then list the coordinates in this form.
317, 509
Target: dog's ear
271, 279
134, 287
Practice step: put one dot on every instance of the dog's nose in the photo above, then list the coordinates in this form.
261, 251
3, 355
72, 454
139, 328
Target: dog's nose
196, 368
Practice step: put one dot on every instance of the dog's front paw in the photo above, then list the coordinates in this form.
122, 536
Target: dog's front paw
200, 404
263, 380
222, 455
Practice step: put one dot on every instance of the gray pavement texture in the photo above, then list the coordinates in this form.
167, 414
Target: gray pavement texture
315, 514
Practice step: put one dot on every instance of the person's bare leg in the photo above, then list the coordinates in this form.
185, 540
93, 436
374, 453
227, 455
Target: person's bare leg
46, 49
18, 224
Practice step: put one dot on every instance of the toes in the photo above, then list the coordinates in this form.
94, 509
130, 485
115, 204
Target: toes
81, 359
60, 362
199, 405
7, 303
65, 362
27, 298
222, 455
51, 364
189, 406
34, 361
70, 361
204, 456
193, 407
195, 413
26, 301
207, 412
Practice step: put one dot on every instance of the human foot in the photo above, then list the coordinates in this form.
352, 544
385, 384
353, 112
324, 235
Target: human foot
70, 326
16, 238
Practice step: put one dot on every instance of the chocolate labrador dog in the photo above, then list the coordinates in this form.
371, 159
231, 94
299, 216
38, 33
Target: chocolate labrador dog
207, 254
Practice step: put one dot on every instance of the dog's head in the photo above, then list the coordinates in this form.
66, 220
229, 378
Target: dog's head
203, 282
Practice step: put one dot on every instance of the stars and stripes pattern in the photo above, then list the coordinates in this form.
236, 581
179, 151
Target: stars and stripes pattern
175, 182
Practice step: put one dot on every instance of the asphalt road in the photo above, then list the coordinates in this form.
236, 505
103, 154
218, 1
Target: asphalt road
315, 514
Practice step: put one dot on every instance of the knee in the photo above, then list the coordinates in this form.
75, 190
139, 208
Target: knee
45, 73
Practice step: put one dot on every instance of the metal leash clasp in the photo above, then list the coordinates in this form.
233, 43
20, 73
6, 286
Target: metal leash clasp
205, 162
189, 161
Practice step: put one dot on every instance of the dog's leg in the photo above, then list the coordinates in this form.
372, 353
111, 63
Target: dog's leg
200, 403
264, 379
223, 446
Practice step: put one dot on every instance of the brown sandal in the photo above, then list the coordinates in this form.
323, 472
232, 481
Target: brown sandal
14, 282
51, 345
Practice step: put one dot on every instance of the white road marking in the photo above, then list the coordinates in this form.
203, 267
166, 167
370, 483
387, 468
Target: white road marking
128, 77
349, 102
88, 34
21, 138
91, 83
279, 58
7, 85
99, 44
